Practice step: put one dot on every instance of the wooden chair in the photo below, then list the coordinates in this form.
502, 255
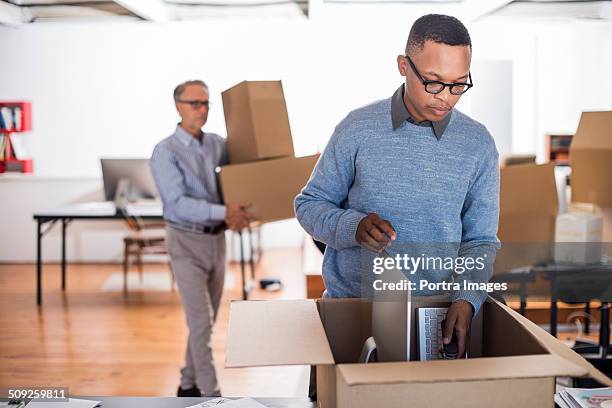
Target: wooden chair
142, 239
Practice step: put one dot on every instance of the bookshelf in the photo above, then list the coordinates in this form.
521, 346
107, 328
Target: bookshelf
15, 117
557, 148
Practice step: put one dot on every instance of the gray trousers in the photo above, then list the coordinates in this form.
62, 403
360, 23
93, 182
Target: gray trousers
198, 264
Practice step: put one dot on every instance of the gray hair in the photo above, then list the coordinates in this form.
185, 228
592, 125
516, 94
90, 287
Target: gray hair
178, 91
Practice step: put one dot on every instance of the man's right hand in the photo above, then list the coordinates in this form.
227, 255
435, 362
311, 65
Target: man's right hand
237, 216
374, 233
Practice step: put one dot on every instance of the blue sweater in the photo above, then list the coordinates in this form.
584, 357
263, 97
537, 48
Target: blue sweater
430, 190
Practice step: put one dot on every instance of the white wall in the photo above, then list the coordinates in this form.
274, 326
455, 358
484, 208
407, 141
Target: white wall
104, 89
86, 241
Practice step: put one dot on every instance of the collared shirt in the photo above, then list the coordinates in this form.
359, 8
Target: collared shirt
399, 115
184, 170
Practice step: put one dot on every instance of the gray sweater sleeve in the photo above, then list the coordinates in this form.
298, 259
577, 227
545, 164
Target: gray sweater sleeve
319, 206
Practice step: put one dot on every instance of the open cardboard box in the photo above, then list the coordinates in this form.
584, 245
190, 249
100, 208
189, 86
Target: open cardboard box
269, 185
517, 368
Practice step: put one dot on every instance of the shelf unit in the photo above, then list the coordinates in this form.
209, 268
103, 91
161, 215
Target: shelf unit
16, 118
557, 148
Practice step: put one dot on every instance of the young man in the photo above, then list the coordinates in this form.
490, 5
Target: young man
183, 166
410, 169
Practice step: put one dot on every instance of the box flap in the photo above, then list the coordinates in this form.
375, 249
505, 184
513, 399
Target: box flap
594, 131
555, 347
276, 332
494, 368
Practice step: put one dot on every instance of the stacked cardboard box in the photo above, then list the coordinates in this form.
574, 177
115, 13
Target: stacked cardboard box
591, 161
263, 169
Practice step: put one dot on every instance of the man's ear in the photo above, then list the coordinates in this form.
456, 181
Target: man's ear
402, 65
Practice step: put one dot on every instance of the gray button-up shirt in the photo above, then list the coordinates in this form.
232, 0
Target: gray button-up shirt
184, 171
399, 115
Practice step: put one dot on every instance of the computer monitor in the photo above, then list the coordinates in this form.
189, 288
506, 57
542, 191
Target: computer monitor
136, 171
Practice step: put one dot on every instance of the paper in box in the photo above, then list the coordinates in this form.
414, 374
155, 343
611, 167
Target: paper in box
518, 368
257, 122
269, 185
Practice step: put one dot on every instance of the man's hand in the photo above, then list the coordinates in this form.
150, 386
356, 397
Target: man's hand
237, 216
459, 319
374, 233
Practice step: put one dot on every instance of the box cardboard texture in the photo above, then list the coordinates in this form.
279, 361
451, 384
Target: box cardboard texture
591, 161
528, 208
257, 122
519, 366
528, 203
269, 185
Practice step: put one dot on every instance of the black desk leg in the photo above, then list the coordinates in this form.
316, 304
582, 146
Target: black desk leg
587, 318
38, 262
244, 283
64, 224
523, 295
604, 333
252, 256
553, 307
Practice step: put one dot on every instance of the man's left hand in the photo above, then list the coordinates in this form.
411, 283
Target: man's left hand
459, 319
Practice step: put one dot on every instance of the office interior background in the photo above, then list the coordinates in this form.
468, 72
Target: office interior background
100, 75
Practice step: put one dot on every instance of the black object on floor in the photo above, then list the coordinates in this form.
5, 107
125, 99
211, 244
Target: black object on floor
191, 392
271, 284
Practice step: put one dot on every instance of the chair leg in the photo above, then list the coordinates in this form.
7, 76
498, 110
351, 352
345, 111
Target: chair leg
126, 260
140, 272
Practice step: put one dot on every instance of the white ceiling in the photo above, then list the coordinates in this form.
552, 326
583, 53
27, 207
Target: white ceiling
18, 12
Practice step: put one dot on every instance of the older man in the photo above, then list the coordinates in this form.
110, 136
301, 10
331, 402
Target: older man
183, 166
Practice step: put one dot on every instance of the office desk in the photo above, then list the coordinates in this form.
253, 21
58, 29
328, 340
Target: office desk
175, 402
574, 283
100, 211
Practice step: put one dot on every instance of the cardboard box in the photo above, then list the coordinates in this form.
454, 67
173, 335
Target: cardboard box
528, 203
519, 366
269, 185
257, 122
528, 208
578, 237
591, 159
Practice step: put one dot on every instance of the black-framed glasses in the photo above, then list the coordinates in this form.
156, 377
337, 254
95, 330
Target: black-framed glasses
435, 87
196, 104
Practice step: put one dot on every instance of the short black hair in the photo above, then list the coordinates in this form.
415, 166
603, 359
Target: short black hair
437, 28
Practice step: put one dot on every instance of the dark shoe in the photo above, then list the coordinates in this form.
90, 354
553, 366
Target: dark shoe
191, 392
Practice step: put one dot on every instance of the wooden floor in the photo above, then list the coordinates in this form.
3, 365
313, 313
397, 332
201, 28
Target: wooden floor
98, 342
102, 343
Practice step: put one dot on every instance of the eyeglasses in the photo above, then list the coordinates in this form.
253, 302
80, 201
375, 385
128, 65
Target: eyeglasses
435, 87
196, 104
